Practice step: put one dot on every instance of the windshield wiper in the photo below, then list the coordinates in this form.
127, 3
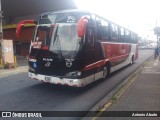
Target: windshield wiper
59, 47
57, 40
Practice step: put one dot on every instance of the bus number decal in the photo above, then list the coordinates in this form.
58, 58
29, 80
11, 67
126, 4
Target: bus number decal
71, 19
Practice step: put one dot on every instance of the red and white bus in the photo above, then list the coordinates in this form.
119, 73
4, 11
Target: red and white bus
76, 48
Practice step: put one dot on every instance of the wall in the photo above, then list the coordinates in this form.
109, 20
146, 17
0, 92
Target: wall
21, 46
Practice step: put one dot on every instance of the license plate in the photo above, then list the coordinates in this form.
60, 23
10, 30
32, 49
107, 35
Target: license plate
47, 79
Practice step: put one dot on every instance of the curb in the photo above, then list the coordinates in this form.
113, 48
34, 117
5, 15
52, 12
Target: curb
6, 73
115, 94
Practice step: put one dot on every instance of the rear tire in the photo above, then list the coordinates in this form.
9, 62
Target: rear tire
132, 60
106, 71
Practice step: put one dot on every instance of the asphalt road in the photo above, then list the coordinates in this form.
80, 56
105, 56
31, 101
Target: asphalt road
19, 93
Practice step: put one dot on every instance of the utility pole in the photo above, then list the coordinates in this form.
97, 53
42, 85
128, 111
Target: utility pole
1, 37
1, 30
157, 32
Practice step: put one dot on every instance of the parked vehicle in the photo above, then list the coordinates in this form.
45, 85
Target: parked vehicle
76, 48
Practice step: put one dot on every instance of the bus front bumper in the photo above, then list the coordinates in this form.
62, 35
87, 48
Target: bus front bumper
58, 80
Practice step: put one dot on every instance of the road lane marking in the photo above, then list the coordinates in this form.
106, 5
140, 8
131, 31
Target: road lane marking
123, 88
146, 72
118, 94
156, 62
13, 72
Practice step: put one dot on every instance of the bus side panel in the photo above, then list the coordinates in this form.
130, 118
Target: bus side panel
115, 52
134, 50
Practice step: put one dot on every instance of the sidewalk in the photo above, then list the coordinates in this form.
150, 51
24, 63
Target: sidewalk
22, 66
143, 94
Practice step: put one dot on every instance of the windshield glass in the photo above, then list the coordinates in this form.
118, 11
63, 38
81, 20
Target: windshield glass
44, 34
65, 40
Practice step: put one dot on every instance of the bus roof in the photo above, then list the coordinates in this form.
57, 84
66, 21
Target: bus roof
84, 11
64, 11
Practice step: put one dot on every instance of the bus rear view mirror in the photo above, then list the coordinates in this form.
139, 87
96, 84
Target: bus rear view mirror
21, 24
82, 23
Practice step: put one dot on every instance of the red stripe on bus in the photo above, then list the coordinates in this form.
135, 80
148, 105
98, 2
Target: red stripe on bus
94, 65
118, 58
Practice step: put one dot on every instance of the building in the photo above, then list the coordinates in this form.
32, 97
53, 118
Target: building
15, 11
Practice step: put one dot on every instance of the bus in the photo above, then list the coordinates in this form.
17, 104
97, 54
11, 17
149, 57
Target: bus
76, 48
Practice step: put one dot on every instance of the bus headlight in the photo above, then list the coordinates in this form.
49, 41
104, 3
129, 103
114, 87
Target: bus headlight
74, 74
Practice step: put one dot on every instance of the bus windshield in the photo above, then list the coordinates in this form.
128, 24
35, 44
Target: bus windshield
59, 32
65, 40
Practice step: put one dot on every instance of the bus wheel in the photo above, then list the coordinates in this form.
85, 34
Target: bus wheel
106, 71
132, 60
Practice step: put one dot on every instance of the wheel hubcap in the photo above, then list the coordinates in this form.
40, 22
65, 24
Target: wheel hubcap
104, 71
132, 61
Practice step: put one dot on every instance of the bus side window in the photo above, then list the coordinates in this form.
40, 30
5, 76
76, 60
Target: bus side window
127, 36
114, 29
122, 36
135, 38
99, 30
104, 30
132, 37
90, 36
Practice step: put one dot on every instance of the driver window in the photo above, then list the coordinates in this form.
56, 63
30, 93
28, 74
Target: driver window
90, 37
44, 35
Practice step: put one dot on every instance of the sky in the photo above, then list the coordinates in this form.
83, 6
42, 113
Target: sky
139, 16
